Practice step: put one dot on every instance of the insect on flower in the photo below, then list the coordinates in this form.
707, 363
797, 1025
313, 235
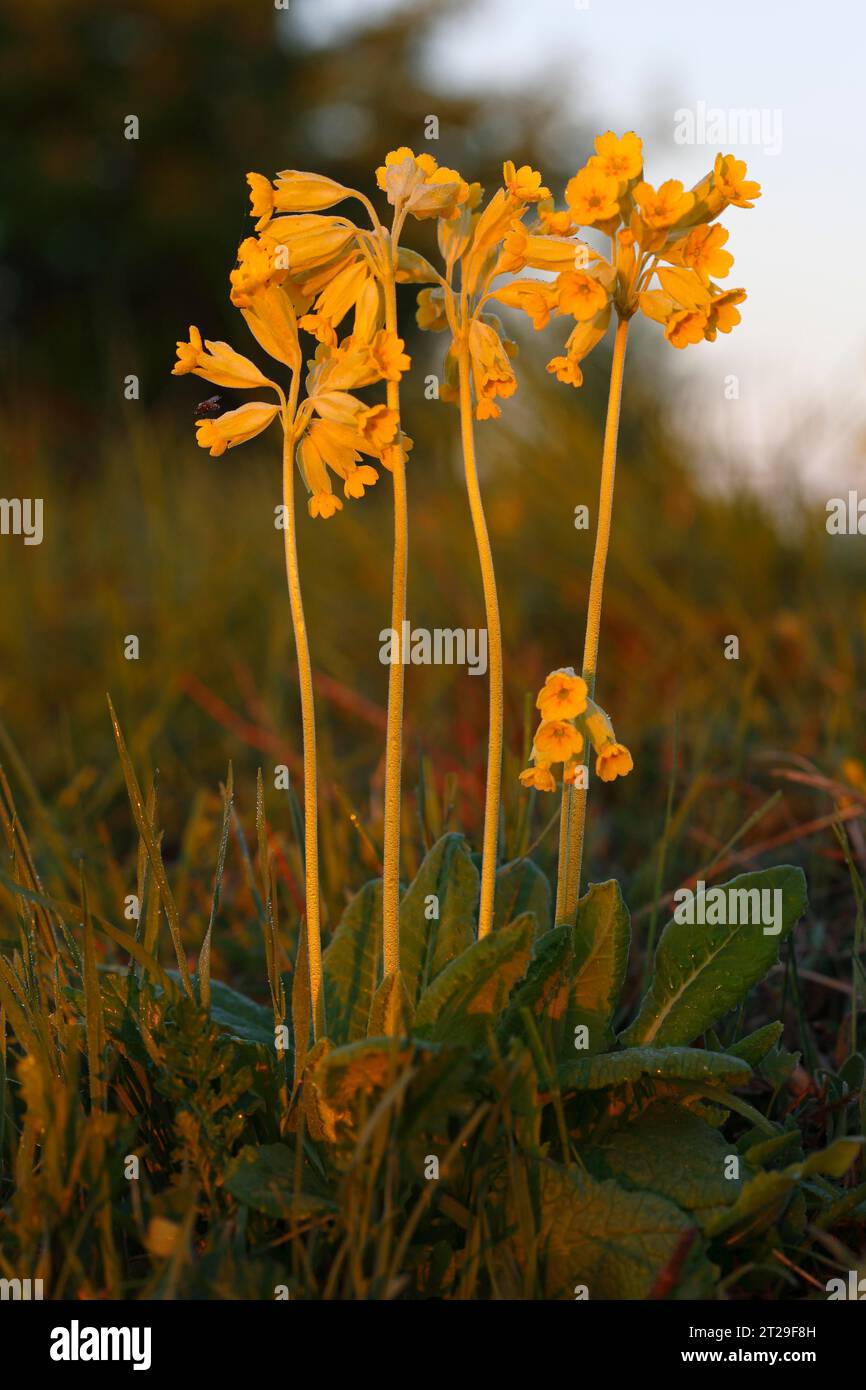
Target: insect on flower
205, 410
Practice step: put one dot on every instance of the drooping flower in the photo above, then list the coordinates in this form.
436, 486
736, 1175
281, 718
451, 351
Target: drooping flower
613, 761
234, 427
540, 777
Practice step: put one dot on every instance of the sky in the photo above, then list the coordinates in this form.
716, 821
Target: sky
800, 354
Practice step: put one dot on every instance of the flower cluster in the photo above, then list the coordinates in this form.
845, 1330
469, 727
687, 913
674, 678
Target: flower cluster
304, 273
570, 719
667, 252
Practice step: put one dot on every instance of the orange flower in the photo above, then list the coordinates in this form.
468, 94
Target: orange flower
593, 197
663, 206
619, 158
729, 176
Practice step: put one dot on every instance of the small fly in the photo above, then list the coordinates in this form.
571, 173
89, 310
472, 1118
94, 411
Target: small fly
205, 410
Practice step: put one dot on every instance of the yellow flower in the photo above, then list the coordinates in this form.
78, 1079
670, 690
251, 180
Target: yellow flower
261, 199
556, 741
556, 223
566, 369
416, 182
619, 158
216, 362
319, 328
563, 696
359, 478
390, 454
580, 295
729, 177
261, 264
537, 298
297, 191
722, 314
491, 370
324, 504
524, 183
613, 761
378, 426
702, 252
593, 197
315, 246
686, 326
663, 206
234, 427
431, 314
540, 777
388, 354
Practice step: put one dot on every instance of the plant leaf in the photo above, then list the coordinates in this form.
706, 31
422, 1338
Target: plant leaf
577, 972
763, 1199
521, 887
664, 1063
474, 988
263, 1177
615, 1242
447, 884
755, 1046
702, 971
671, 1151
352, 965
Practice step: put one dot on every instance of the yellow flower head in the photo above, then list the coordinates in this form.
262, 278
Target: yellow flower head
613, 761
619, 158
524, 183
556, 741
592, 196
664, 206
540, 777
387, 350
188, 354
261, 199
217, 362
537, 298
563, 696
418, 183
729, 177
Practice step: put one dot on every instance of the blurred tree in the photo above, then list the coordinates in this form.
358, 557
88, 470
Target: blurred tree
109, 246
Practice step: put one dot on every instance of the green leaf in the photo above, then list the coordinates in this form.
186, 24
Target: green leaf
763, 1199
474, 988
755, 1046
615, 1242
576, 973
521, 887
702, 971
661, 1063
239, 1016
390, 1009
437, 914
263, 1177
352, 965
670, 1151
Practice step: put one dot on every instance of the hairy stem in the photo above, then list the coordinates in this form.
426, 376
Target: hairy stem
494, 647
394, 724
308, 721
574, 802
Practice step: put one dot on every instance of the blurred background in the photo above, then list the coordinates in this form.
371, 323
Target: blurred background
110, 248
